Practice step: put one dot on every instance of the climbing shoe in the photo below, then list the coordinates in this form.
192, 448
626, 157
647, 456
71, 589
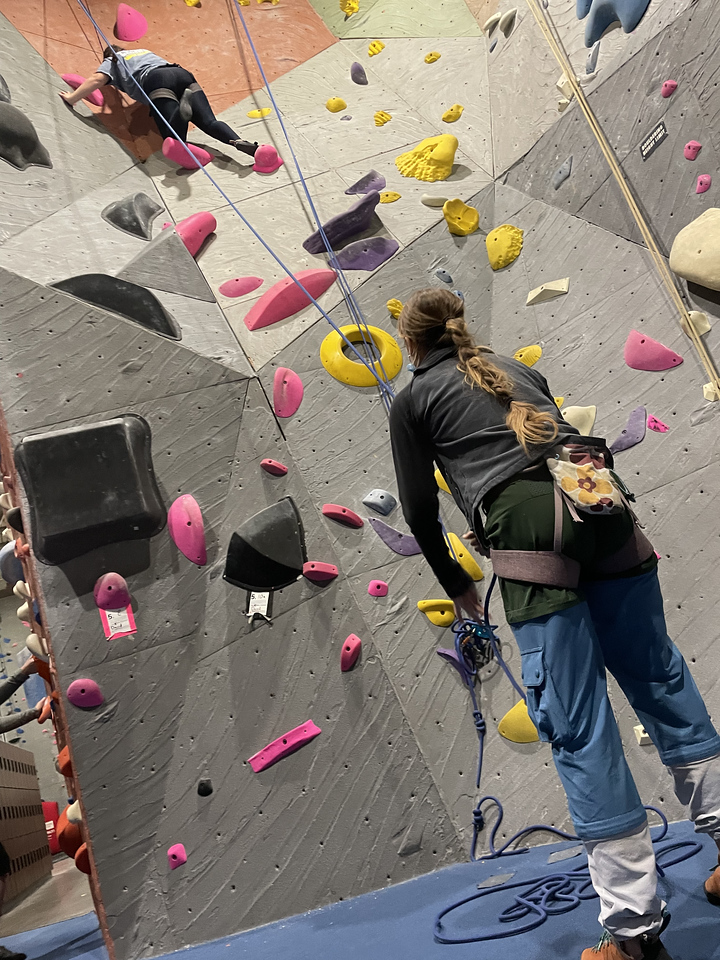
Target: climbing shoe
643, 947
186, 110
245, 147
712, 886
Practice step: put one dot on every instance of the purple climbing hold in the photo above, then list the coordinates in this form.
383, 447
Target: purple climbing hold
367, 254
348, 116
452, 658
111, 592
358, 75
704, 182
345, 225
401, 543
371, 181
603, 13
85, 693
692, 150
633, 433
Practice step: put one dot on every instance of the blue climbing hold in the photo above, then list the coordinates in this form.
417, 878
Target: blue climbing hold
410, 368
493, 45
603, 13
443, 275
592, 59
381, 501
459, 293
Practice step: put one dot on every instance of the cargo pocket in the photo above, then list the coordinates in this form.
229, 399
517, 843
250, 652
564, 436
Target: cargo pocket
545, 707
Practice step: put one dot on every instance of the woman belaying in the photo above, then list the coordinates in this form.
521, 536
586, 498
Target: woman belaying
173, 90
580, 601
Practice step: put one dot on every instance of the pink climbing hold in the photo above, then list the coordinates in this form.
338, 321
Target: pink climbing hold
377, 588
692, 150
267, 159
350, 652
176, 856
74, 80
342, 515
274, 467
319, 572
85, 693
111, 592
285, 297
644, 353
195, 229
239, 286
175, 151
657, 425
287, 392
130, 24
187, 530
669, 88
704, 183
283, 746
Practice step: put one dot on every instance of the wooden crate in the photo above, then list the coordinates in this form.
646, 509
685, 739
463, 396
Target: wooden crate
22, 825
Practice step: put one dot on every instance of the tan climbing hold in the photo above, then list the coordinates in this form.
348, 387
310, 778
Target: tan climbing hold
461, 553
517, 726
491, 23
582, 418
698, 321
710, 392
389, 196
565, 87
529, 355
336, 104
432, 159
453, 113
381, 118
504, 244
548, 291
506, 23
441, 481
394, 306
461, 218
695, 254
439, 612
377, 46
260, 113
563, 105
433, 201
432, 56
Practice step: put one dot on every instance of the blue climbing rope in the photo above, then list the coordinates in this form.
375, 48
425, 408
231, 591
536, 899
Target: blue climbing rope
383, 386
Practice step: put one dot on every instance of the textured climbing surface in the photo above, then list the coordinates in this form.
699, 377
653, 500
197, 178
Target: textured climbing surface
124, 298
133, 214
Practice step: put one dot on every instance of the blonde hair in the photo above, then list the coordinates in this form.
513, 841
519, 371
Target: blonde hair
436, 317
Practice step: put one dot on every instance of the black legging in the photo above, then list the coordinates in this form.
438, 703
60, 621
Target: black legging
166, 85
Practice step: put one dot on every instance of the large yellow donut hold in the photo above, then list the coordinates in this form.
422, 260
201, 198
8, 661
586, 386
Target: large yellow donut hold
342, 368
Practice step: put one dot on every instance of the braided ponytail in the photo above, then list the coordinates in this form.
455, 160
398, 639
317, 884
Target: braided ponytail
436, 317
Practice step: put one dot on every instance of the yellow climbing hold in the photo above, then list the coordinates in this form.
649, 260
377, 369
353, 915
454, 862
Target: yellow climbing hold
357, 374
582, 418
394, 306
430, 160
559, 401
259, 114
389, 196
453, 113
463, 556
381, 118
504, 245
441, 481
460, 218
375, 47
349, 7
439, 612
517, 726
529, 355
432, 56
192, 3
336, 104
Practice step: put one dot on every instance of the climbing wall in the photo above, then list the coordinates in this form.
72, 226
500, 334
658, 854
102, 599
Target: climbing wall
386, 791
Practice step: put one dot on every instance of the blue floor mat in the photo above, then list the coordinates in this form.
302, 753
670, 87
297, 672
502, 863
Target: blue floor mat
398, 922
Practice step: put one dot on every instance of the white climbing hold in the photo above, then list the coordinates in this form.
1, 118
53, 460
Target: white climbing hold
433, 201
548, 291
582, 418
507, 22
488, 28
565, 86
698, 321
563, 104
710, 392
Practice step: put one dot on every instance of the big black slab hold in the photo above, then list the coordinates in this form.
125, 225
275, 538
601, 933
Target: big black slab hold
19, 142
205, 787
124, 298
4, 90
345, 225
14, 518
90, 486
268, 550
133, 214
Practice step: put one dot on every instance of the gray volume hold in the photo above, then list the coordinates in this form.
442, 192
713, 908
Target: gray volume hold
562, 173
166, 264
19, 142
592, 59
133, 214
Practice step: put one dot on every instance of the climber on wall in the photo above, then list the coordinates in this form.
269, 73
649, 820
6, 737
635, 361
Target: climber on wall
490, 423
173, 89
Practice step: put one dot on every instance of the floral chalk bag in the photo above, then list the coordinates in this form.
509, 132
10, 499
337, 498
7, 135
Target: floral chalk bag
579, 471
